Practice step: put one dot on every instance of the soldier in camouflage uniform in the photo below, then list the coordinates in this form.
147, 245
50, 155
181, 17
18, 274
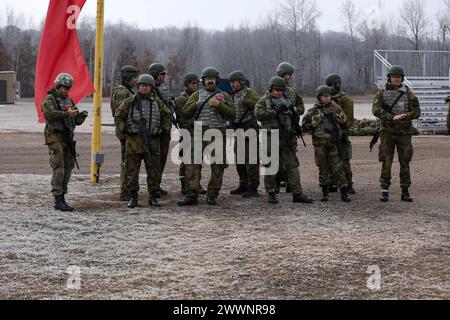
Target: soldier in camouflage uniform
191, 82
275, 112
448, 114
286, 71
334, 81
245, 100
121, 92
158, 71
324, 121
396, 106
213, 108
143, 117
61, 117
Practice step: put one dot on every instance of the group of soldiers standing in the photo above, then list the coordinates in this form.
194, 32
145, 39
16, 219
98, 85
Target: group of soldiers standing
145, 111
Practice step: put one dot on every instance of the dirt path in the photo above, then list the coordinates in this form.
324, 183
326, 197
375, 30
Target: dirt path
238, 250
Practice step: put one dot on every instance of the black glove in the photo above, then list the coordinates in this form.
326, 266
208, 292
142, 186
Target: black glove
84, 114
158, 132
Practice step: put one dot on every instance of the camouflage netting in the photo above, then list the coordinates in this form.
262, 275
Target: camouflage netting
365, 127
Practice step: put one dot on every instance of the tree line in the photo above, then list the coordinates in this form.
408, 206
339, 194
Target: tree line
289, 34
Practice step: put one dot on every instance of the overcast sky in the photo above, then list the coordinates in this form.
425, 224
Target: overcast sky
207, 14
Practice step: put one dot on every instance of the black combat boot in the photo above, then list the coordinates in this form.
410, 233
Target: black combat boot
325, 194
153, 201
406, 197
344, 195
332, 189
384, 197
125, 197
60, 205
302, 198
273, 198
183, 186
351, 190
239, 191
212, 201
133, 202
163, 193
67, 205
188, 201
202, 190
251, 193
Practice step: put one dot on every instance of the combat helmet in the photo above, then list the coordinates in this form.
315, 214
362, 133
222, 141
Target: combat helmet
322, 90
333, 78
237, 76
210, 72
285, 67
64, 80
146, 79
396, 71
128, 72
156, 69
278, 82
190, 77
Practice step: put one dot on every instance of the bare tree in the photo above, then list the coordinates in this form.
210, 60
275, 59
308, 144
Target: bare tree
300, 17
413, 13
351, 18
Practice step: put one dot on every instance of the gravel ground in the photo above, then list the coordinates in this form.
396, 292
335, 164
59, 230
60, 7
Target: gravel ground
237, 250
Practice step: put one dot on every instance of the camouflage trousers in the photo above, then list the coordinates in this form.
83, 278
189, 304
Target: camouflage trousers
282, 175
123, 169
152, 167
290, 161
193, 174
330, 164
165, 139
62, 164
386, 156
448, 120
347, 155
248, 173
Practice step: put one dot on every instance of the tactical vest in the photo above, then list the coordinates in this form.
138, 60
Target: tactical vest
164, 94
285, 119
290, 95
150, 109
241, 109
402, 106
322, 131
60, 125
210, 116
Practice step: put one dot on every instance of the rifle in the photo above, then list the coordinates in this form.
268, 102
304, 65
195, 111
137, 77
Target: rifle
336, 133
388, 109
297, 126
172, 107
68, 139
283, 130
375, 139
143, 130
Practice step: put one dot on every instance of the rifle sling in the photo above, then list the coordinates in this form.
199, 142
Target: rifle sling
204, 104
395, 103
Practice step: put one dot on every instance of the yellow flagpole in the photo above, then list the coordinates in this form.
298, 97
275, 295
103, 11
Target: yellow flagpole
97, 157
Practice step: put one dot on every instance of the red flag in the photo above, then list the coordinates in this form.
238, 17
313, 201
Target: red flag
60, 51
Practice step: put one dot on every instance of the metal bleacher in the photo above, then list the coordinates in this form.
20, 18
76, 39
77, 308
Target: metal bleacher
431, 90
